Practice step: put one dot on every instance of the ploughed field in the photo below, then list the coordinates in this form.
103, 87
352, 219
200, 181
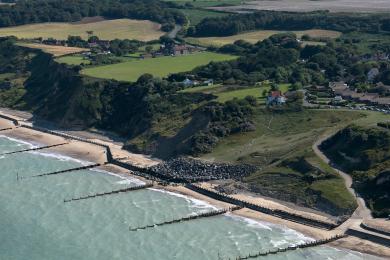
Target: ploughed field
105, 29
132, 69
379, 6
260, 35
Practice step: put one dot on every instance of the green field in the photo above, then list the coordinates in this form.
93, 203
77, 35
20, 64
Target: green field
260, 35
257, 92
73, 60
197, 15
159, 67
228, 93
107, 29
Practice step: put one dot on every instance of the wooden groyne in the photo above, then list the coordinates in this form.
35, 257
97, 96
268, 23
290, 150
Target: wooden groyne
63, 171
34, 149
192, 217
274, 212
64, 135
13, 120
139, 187
5, 129
375, 229
378, 239
292, 248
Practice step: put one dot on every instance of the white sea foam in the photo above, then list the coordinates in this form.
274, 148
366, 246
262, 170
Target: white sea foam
125, 180
195, 203
31, 145
61, 157
252, 222
279, 243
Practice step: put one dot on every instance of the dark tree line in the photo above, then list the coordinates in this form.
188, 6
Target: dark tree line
37, 11
234, 24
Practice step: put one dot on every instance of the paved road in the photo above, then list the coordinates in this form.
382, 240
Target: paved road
172, 34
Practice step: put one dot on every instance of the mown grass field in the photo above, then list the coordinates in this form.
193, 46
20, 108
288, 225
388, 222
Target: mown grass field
158, 67
73, 60
197, 15
55, 50
228, 93
260, 35
107, 30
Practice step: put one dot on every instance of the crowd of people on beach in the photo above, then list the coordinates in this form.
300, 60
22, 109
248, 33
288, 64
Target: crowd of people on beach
197, 170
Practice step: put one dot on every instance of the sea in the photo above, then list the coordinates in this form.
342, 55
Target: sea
36, 223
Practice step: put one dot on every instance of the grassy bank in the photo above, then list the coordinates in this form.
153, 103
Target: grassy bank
281, 146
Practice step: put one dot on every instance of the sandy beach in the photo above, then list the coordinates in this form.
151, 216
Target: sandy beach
95, 154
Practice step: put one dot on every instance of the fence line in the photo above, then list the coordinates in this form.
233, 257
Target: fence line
63, 171
291, 248
34, 149
139, 187
274, 212
192, 217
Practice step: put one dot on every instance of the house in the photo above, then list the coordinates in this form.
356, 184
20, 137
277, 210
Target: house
338, 99
275, 98
383, 102
369, 98
189, 83
208, 82
338, 87
371, 75
180, 50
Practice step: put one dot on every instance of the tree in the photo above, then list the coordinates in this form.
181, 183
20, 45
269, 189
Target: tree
274, 86
149, 49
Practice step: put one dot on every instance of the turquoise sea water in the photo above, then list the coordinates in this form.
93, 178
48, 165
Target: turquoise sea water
36, 224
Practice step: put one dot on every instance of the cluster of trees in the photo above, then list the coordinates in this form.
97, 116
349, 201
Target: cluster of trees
118, 47
234, 24
38, 11
231, 117
13, 59
279, 58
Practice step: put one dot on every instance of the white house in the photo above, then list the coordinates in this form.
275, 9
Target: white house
275, 98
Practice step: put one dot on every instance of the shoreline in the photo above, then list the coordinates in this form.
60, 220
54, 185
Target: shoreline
91, 153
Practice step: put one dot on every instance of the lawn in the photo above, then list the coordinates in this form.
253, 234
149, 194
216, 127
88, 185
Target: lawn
158, 67
73, 60
107, 29
257, 92
260, 35
55, 50
228, 93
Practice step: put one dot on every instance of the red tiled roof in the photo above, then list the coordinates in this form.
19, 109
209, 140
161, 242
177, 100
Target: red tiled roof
276, 93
